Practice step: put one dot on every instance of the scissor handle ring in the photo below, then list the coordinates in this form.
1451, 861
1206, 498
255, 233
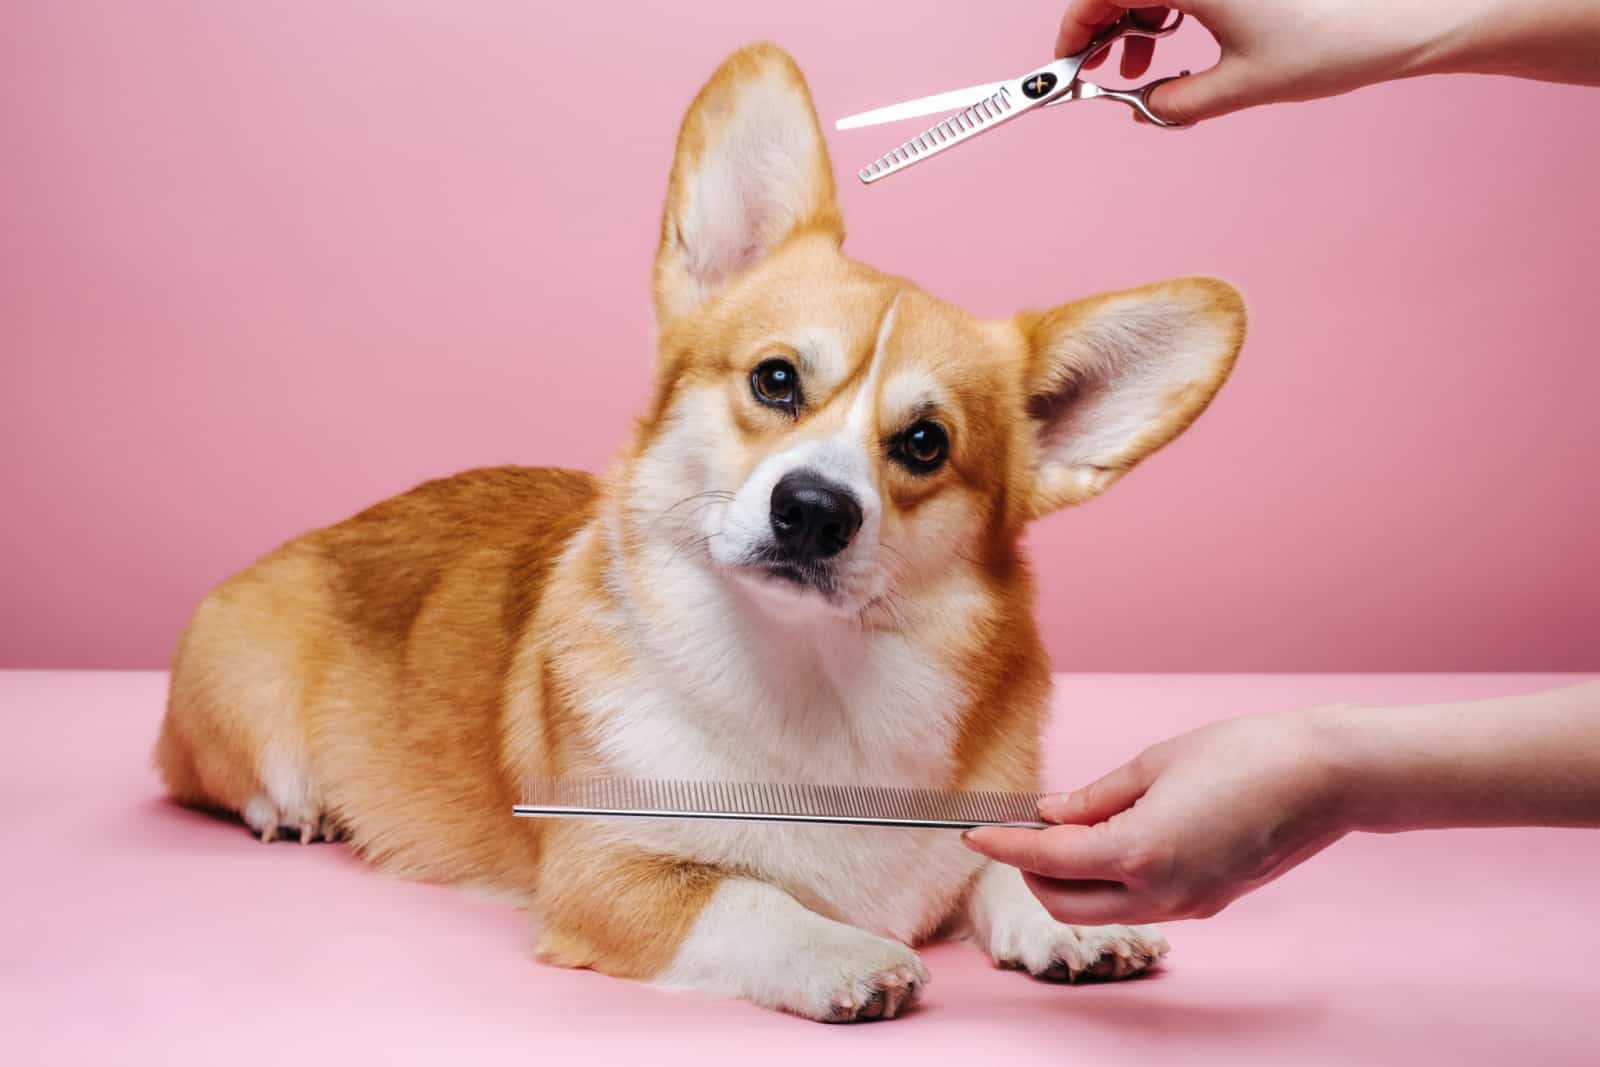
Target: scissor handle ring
1139, 99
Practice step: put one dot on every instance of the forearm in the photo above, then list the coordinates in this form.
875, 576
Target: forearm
1551, 40
1515, 761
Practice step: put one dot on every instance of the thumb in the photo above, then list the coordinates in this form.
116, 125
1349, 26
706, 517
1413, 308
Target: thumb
1226, 87
1103, 798
1062, 852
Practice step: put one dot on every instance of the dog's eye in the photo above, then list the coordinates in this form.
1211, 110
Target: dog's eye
922, 447
776, 384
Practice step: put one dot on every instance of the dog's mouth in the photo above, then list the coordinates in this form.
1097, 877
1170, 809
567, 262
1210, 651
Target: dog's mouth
787, 572
775, 569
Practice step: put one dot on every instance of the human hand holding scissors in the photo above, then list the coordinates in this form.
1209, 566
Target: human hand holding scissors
984, 107
1293, 50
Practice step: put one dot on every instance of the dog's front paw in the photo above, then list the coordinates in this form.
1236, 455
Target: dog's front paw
1056, 952
755, 941
857, 979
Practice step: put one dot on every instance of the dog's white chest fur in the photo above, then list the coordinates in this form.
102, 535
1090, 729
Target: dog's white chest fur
733, 693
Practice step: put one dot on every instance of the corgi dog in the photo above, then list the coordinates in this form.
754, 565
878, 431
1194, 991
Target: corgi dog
804, 568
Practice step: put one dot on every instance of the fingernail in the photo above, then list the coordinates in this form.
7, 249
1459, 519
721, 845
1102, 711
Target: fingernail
1054, 807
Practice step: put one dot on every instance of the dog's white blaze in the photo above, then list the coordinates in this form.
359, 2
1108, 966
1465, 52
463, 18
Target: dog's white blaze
859, 422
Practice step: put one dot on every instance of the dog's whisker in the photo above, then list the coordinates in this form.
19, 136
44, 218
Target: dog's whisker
700, 541
688, 516
886, 604
708, 497
703, 501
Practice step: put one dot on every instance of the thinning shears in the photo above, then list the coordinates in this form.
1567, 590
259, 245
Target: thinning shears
983, 107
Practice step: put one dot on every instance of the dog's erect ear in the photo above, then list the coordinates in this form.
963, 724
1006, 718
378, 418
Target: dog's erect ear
1113, 378
751, 170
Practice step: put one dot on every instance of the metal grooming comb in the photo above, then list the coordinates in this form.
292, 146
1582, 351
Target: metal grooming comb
777, 802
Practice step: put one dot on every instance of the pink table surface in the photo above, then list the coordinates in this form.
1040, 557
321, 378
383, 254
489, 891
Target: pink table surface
136, 932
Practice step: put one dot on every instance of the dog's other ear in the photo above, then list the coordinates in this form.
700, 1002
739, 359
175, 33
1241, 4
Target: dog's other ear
1112, 378
751, 171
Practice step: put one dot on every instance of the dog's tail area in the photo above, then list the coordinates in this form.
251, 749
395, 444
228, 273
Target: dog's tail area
175, 763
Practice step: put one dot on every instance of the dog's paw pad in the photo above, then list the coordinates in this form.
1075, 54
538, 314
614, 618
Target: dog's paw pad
1060, 953
880, 995
1106, 953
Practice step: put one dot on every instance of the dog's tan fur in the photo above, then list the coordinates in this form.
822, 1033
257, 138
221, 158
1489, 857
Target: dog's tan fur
390, 679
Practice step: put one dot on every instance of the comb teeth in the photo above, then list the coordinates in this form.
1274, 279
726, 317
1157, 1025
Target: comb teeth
779, 802
989, 111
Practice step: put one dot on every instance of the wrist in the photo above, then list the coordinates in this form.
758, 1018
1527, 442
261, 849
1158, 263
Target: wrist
1530, 39
1450, 36
1355, 765
1527, 760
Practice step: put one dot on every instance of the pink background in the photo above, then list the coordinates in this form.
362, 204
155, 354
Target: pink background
1465, 947
264, 264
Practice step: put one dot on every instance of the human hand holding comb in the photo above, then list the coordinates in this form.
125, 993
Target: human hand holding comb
1182, 829
1198, 821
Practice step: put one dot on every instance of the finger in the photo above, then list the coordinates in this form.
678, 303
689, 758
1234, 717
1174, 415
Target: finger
1083, 852
1152, 17
1226, 87
1086, 903
1082, 20
1137, 51
1099, 800
1136, 55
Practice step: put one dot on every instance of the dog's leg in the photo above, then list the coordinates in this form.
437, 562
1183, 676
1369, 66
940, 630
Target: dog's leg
755, 941
1011, 925
691, 926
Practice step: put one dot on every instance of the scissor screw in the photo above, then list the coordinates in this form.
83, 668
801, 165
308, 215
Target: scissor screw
1038, 85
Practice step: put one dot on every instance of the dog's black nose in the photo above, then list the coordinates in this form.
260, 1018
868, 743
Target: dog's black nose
811, 517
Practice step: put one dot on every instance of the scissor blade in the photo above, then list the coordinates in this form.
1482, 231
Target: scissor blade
1003, 105
924, 105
